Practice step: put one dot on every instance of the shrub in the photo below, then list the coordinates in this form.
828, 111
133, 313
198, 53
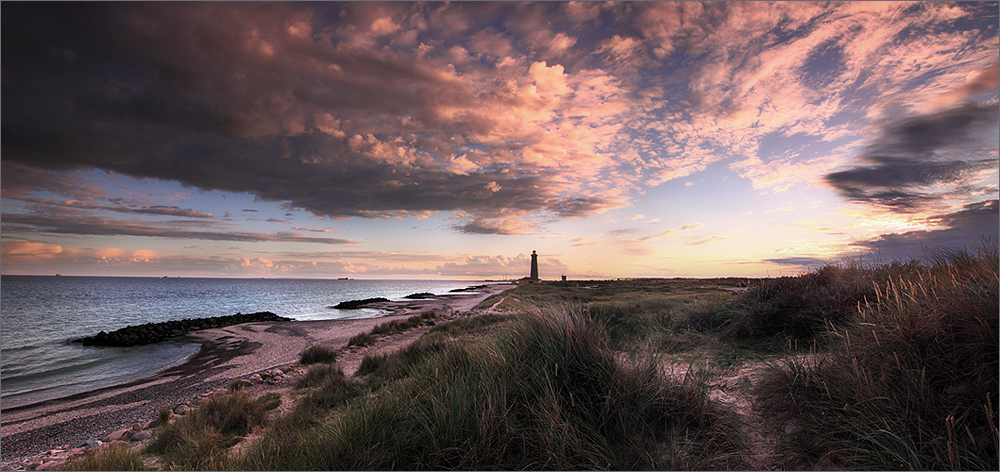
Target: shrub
318, 354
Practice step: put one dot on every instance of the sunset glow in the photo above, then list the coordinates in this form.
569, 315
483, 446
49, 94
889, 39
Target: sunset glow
449, 140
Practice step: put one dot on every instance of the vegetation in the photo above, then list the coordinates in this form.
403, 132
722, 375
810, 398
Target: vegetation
118, 456
910, 381
201, 438
890, 366
318, 354
399, 326
361, 340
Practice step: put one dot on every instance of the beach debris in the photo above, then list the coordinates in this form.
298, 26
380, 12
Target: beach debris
155, 332
355, 304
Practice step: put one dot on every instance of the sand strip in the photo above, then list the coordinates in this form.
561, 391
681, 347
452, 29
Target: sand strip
226, 353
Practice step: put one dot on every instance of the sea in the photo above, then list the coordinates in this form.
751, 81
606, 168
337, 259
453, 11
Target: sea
40, 316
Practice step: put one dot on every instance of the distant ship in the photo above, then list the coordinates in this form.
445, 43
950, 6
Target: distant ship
343, 278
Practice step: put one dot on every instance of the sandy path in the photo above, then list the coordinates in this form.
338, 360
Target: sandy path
227, 353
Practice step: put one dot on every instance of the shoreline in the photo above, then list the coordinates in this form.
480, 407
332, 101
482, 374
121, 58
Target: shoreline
228, 353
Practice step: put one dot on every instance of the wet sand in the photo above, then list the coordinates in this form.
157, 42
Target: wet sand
226, 354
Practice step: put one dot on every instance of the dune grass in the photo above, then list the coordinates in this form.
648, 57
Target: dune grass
200, 439
908, 382
119, 456
318, 354
546, 393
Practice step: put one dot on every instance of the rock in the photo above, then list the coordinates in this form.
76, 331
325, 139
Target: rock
47, 465
182, 409
246, 383
138, 426
355, 304
91, 444
141, 436
117, 435
156, 332
275, 373
256, 378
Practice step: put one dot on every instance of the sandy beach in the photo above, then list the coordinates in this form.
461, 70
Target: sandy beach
229, 353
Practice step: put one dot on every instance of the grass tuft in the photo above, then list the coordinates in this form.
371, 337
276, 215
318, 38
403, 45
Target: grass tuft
361, 340
199, 439
118, 456
318, 354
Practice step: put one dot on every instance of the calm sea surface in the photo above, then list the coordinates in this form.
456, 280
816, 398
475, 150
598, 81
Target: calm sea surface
40, 315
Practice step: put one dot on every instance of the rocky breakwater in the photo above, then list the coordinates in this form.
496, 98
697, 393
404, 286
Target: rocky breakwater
155, 332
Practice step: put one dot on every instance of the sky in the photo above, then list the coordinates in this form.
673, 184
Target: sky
450, 140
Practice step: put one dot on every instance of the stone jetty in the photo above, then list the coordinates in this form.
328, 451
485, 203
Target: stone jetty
155, 332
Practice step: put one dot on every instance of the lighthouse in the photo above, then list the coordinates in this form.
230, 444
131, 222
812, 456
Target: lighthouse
534, 266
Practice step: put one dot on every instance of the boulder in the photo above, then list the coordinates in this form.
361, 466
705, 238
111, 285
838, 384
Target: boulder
117, 435
141, 436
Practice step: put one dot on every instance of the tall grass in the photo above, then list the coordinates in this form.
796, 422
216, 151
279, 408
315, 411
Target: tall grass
910, 380
200, 439
545, 394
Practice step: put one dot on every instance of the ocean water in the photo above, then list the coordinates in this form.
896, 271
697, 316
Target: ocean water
39, 316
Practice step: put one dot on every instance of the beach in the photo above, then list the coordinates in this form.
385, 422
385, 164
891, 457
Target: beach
239, 351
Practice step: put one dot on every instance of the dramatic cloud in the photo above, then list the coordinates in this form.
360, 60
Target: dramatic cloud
390, 110
963, 229
262, 122
922, 160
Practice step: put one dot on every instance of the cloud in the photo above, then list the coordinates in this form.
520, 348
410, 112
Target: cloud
801, 261
918, 161
493, 111
962, 229
328, 117
159, 210
102, 226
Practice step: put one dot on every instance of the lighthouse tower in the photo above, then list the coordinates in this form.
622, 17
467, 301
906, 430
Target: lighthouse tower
534, 266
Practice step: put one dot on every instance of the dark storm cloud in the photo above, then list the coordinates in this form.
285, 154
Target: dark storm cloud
916, 162
99, 226
248, 98
964, 229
